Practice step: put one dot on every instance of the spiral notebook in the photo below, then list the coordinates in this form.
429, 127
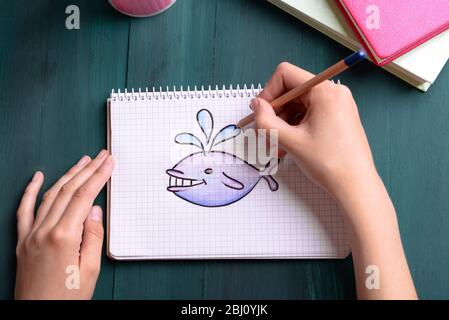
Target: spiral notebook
181, 190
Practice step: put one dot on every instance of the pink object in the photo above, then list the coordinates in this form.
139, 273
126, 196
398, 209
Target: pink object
141, 8
391, 28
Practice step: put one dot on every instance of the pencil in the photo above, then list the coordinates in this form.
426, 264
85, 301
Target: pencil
327, 74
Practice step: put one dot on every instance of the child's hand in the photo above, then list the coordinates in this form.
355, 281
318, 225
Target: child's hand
329, 145
59, 251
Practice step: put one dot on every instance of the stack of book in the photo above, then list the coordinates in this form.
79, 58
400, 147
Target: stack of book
409, 38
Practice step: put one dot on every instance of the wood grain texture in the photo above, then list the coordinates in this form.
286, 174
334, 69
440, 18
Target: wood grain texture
419, 182
53, 88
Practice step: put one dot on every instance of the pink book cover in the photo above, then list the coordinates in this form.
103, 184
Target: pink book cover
391, 28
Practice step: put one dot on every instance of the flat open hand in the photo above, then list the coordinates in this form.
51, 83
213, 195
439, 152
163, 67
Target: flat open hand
59, 250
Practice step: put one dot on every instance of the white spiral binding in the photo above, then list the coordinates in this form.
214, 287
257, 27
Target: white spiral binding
198, 93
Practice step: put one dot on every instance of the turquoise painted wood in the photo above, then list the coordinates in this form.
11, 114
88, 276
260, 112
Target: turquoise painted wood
54, 84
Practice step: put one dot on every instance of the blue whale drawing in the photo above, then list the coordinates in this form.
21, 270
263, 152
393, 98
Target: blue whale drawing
214, 178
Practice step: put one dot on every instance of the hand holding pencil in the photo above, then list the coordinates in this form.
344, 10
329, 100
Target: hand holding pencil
330, 147
329, 144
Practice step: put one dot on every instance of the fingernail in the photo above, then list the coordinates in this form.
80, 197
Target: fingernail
36, 176
109, 161
254, 104
82, 161
96, 214
101, 154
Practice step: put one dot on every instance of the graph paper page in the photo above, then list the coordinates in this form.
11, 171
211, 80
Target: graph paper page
147, 221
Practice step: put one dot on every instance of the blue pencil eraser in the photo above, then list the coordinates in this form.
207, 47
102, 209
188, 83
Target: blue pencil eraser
355, 58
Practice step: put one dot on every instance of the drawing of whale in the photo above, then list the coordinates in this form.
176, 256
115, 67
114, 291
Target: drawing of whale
215, 178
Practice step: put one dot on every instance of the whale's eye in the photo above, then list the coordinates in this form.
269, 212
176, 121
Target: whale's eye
208, 171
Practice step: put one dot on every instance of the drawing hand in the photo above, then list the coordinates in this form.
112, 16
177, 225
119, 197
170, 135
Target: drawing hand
59, 250
329, 144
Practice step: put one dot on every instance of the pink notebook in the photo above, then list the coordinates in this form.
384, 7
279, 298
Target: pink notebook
390, 29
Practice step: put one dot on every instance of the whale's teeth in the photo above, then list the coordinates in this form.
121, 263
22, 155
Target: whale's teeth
179, 182
195, 183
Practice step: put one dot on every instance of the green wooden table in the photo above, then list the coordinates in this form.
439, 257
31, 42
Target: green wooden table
54, 84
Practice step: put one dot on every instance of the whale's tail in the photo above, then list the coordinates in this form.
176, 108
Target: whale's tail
270, 168
272, 184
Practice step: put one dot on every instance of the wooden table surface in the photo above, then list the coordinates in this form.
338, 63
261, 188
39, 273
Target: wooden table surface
54, 83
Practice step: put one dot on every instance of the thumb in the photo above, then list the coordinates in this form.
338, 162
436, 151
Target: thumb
92, 243
266, 118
